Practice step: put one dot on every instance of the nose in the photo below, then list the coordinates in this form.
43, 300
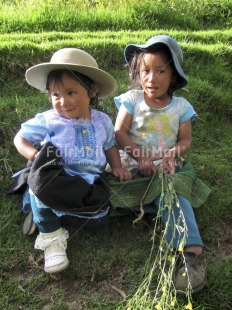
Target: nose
152, 76
63, 101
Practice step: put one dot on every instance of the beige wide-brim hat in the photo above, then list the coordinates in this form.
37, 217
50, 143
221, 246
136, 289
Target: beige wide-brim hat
76, 60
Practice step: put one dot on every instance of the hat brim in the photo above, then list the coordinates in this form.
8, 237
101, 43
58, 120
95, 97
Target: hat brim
132, 48
36, 76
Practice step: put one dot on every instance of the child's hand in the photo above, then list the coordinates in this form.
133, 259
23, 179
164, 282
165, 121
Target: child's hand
169, 163
122, 174
146, 166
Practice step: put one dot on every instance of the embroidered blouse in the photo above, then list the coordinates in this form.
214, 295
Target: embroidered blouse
82, 142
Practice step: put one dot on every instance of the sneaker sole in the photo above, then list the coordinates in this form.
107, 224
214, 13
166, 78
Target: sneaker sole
57, 269
29, 226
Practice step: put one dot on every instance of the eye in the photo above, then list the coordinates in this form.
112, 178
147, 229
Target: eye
55, 94
145, 70
71, 93
160, 71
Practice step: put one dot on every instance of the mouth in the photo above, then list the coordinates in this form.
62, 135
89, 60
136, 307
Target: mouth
67, 110
152, 88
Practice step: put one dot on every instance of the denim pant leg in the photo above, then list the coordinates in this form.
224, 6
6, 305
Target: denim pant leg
174, 237
44, 218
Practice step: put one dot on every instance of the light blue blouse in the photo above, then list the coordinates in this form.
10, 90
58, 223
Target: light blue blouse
82, 142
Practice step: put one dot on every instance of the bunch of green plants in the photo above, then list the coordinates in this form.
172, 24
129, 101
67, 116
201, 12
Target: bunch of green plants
157, 289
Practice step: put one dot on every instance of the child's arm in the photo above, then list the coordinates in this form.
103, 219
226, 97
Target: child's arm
183, 144
25, 147
113, 158
122, 126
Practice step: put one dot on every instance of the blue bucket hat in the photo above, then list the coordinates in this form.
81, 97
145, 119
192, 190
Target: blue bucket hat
175, 50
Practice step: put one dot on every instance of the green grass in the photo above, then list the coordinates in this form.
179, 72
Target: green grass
91, 15
116, 255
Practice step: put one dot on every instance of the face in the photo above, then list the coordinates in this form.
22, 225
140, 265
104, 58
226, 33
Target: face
155, 76
70, 98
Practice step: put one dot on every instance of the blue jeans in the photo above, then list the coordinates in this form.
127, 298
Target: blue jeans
47, 221
173, 236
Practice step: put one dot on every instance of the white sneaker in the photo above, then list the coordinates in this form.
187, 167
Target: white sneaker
29, 226
54, 245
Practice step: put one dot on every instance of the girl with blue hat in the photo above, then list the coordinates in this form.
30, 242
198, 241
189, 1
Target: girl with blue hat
154, 126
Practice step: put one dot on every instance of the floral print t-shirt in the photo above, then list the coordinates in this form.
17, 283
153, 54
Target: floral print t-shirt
155, 130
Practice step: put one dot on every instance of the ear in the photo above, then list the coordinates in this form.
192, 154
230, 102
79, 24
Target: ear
95, 89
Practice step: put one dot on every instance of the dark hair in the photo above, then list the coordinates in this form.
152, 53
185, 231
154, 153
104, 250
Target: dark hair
56, 76
136, 61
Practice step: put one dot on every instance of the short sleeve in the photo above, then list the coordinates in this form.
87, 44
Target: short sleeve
187, 111
35, 129
109, 128
127, 100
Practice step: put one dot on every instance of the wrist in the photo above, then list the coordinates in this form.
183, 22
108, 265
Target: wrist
172, 153
115, 167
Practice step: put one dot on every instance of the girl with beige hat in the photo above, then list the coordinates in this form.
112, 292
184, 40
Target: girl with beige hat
66, 176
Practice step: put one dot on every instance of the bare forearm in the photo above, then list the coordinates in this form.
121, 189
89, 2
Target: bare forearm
184, 140
24, 147
180, 148
113, 157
